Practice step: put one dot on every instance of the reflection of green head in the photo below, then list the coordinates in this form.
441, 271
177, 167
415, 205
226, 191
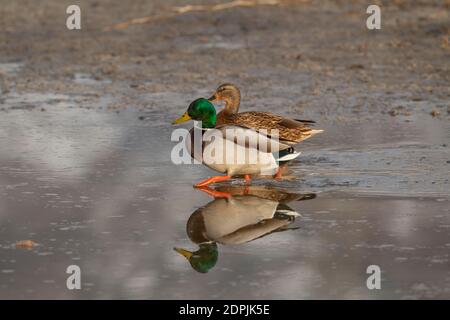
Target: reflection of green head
203, 259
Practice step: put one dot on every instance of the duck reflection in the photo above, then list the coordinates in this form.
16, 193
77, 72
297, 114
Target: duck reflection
238, 214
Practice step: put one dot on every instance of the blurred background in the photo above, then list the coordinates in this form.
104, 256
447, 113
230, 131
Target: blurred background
85, 170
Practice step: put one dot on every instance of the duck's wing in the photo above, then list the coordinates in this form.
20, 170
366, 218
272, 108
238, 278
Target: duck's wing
288, 130
279, 222
250, 138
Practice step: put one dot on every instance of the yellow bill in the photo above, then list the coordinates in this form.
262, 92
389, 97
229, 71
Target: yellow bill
185, 117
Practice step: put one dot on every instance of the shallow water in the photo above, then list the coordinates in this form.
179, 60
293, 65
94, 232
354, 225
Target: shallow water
97, 189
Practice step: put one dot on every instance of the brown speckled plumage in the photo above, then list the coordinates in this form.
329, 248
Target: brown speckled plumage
286, 129
289, 130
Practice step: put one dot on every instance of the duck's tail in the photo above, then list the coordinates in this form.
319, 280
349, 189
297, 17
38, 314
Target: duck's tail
283, 211
287, 155
313, 132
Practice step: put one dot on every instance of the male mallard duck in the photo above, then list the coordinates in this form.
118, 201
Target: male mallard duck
290, 131
227, 153
250, 213
204, 258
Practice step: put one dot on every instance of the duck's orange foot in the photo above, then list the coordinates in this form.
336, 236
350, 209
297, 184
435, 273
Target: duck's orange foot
214, 179
278, 175
280, 171
215, 193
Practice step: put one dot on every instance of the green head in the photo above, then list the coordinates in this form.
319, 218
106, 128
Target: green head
203, 259
200, 110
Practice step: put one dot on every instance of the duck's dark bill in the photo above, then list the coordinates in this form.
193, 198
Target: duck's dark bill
213, 98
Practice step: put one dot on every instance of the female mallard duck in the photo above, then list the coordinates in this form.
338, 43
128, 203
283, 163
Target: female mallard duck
224, 150
290, 131
250, 213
